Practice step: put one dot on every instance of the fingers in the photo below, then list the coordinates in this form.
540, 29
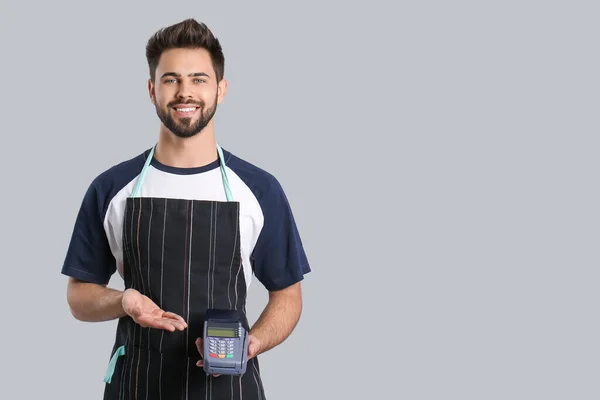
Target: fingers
146, 313
160, 323
170, 324
199, 346
200, 363
174, 316
177, 324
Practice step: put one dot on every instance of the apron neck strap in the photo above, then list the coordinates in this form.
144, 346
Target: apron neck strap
140, 180
228, 194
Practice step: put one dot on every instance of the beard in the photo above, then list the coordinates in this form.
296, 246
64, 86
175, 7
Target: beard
185, 127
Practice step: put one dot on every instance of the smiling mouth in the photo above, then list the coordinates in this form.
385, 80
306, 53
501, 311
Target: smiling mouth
185, 111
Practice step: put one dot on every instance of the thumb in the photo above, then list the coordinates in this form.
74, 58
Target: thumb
253, 348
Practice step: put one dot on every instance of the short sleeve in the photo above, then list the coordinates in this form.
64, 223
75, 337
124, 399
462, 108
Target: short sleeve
278, 259
89, 257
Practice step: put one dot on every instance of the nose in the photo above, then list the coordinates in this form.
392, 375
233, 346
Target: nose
184, 91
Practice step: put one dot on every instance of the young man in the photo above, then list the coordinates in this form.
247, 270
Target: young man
186, 224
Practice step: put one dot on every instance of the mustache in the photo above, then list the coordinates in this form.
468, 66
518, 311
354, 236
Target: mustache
175, 102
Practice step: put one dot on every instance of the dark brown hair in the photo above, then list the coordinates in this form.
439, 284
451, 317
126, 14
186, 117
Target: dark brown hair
185, 34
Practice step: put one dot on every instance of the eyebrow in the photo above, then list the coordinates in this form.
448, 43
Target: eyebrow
176, 75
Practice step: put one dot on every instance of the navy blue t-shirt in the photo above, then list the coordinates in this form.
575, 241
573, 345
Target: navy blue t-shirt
271, 247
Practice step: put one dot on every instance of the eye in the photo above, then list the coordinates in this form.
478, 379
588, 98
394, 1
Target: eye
199, 80
170, 81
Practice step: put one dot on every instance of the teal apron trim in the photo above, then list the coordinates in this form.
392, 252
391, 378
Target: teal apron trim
224, 174
138, 184
113, 363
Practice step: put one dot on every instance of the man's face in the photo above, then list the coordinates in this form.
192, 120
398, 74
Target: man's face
185, 92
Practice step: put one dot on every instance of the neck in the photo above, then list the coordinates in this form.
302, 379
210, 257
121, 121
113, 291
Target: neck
196, 151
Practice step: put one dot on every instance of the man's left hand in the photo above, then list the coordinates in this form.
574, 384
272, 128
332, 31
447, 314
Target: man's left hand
254, 346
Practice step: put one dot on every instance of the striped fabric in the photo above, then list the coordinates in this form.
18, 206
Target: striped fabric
185, 256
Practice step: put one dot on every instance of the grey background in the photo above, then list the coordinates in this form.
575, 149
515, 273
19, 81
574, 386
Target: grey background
440, 159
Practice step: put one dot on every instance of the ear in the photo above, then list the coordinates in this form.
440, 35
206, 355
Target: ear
221, 90
151, 91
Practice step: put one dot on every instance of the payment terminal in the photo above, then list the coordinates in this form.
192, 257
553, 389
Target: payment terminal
225, 343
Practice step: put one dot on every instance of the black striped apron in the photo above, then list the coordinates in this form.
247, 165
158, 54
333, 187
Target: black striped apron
185, 256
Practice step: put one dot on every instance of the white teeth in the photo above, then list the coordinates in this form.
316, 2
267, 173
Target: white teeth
185, 109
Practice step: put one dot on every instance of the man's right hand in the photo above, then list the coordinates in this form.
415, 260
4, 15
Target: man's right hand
147, 314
